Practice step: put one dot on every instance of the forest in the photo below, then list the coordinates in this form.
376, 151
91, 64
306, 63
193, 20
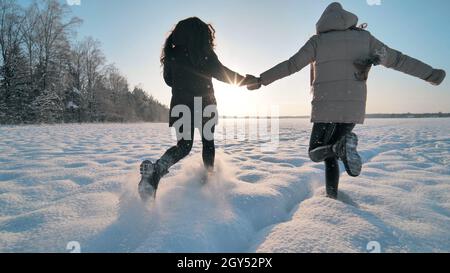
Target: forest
48, 75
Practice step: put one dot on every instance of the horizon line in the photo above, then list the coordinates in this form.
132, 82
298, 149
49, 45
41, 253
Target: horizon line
377, 115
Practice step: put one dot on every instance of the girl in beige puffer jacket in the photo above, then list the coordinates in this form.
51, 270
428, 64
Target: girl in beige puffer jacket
341, 55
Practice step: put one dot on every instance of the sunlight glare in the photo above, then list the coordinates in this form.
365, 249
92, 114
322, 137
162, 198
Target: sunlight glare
233, 100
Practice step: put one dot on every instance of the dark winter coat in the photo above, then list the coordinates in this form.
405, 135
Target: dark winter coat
189, 81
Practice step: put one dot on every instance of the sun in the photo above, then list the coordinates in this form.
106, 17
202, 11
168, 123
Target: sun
229, 98
233, 100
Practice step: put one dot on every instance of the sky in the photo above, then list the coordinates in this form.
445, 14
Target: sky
255, 35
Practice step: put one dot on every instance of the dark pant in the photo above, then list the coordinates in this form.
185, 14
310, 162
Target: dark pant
183, 148
324, 135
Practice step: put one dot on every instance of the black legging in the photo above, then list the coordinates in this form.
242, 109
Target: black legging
183, 148
326, 134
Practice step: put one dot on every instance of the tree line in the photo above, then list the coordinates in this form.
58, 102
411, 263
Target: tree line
47, 76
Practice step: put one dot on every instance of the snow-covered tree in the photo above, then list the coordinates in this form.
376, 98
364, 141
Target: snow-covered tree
46, 76
13, 89
47, 108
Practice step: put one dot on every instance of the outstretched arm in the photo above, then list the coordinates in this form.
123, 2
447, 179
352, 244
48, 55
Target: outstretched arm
394, 59
305, 56
223, 73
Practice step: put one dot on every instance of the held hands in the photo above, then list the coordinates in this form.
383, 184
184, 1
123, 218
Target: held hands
252, 82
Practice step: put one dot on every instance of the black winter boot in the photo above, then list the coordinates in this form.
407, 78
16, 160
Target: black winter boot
151, 174
346, 150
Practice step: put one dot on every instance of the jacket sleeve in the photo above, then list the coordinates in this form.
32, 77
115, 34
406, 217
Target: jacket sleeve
394, 59
167, 74
305, 56
223, 73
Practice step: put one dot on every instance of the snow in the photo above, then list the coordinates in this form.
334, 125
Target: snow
72, 105
76, 91
67, 183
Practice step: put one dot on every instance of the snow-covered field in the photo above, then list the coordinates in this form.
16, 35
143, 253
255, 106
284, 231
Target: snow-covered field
78, 183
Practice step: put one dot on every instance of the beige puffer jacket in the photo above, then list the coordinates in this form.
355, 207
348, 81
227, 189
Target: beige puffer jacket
339, 95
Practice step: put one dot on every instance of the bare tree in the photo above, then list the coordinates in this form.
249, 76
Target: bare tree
52, 31
29, 38
93, 60
77, 68
114, 80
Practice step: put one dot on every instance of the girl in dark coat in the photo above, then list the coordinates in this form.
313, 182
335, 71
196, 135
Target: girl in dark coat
189, 63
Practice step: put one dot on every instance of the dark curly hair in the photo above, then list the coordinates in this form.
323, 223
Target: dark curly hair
193, 35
